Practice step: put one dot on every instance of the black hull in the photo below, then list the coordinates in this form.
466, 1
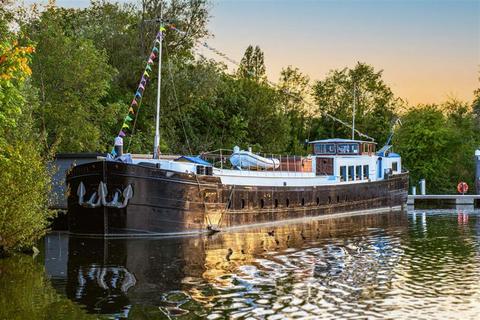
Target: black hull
172, 203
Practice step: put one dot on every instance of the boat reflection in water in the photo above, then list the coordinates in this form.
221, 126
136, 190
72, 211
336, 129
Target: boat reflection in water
255, 271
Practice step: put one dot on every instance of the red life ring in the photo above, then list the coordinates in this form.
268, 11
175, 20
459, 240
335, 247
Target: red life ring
462, 187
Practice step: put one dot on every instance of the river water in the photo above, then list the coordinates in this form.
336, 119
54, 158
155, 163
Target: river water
422, 265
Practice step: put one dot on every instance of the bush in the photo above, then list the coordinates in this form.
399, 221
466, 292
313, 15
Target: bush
24, 185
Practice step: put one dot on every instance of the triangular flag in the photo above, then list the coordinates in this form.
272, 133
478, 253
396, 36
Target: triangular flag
113, 152
134, 102
141, 86
155, 49
146, 74
131, 110
138, 94
121, 134
157, 41
128, 118
162, 29
152, 56
125, 125
148, 68
150, 61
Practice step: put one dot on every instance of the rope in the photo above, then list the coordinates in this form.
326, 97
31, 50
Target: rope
273, 84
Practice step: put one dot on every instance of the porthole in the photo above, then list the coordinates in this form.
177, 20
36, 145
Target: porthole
243, 203
262, 203
287, 202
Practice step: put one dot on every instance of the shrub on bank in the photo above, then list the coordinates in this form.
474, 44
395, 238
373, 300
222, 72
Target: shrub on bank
24, 180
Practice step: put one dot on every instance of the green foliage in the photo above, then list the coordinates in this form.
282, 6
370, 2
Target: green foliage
24, 181
252, 65
375, 102
73, 77
294, 89
437, 143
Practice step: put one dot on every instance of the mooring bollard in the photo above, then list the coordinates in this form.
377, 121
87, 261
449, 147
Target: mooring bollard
422, 187
477, 172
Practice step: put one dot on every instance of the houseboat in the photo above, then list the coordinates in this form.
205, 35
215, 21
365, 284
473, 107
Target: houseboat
191, 194
121, 195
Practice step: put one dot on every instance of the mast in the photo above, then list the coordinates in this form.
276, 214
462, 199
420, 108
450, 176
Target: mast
353, 117
156, 141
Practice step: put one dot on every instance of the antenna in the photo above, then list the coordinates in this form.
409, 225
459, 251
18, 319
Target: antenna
354, 111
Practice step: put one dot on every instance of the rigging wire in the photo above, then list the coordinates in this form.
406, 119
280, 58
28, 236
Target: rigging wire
169, 68
273, 84
136, 116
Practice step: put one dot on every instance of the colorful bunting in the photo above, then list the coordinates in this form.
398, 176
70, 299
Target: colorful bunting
141, 87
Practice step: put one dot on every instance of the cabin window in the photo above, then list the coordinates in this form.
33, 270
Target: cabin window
358, 173
366, 172
351, 173
276, 203
262, 203
243, 203
338, 199
287, 202
395, 166
343, 173
347, 148
318, 201
324, 148
365, 148
303, 202
329, 199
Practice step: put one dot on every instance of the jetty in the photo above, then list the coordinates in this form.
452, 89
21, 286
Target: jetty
458, 201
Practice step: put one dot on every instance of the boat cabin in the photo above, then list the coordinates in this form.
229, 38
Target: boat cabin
353, 160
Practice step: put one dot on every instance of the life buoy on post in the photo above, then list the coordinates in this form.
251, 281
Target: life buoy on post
462, 187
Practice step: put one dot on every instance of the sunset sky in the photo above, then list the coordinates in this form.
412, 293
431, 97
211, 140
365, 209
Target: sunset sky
429, 49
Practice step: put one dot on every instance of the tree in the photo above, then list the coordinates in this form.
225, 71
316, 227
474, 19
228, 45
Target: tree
252, 65
294, 89
24, 180
73, 78
437, 143
375, 102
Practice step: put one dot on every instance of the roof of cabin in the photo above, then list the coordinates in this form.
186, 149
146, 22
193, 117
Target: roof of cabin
194, 159
338, 140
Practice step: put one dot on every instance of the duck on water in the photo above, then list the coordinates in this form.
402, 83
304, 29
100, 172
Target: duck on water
121, 195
